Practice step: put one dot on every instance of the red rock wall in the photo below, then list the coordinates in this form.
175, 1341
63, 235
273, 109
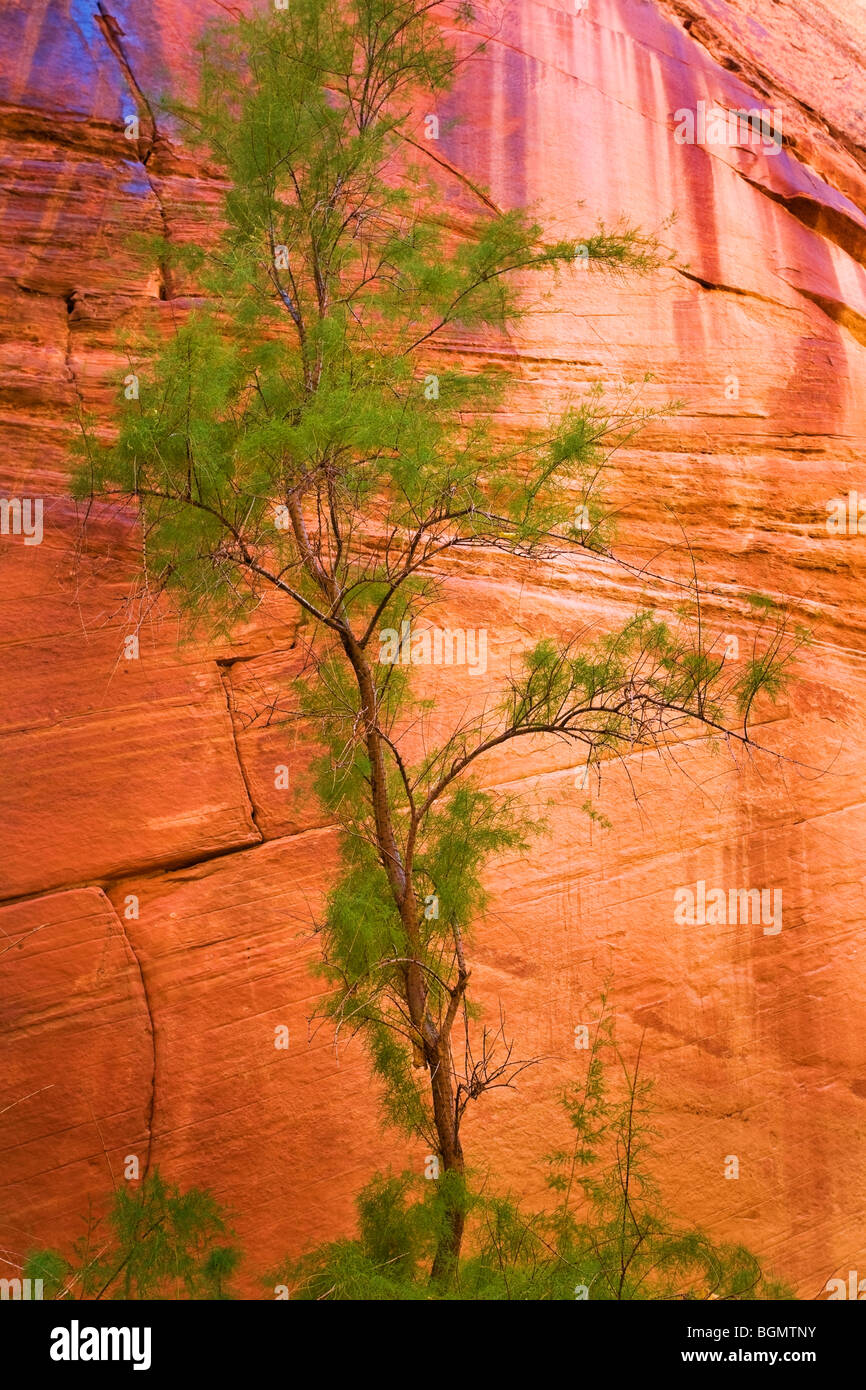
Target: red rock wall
154, 1034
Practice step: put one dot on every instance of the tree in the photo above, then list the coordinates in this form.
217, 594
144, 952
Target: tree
289, 436
608, 1236
609, 1224
157, 1242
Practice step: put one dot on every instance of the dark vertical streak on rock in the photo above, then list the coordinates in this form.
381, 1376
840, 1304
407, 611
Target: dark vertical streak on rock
152, 1025
225, 679
113, 37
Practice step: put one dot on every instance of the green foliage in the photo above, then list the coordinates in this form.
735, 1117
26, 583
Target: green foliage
365, 945
608, 1236
618, 1239
157, 1241
327, 281
308, 433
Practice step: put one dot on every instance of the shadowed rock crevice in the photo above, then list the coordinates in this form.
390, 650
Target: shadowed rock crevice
731, 289
147, 145
839, 312
224, 670
829, 223
717, 41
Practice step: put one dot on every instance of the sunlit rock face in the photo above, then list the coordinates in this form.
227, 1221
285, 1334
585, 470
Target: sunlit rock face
161, 889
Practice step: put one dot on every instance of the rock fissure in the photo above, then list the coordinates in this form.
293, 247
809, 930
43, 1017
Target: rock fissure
152, 1027
113, 35
225, 681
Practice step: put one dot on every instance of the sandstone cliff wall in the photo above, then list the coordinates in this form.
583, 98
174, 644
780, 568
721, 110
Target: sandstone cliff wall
155, 1035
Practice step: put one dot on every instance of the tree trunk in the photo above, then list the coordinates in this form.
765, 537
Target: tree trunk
435, 1042
451, 1152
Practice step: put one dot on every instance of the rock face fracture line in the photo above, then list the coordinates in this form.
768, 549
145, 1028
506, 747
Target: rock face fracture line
834, 223
456, 173
717, 45
152, 1025
169, 865
113, 37
735, 289
225, 681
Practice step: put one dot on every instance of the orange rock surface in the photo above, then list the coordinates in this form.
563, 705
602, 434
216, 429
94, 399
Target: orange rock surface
148, 780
